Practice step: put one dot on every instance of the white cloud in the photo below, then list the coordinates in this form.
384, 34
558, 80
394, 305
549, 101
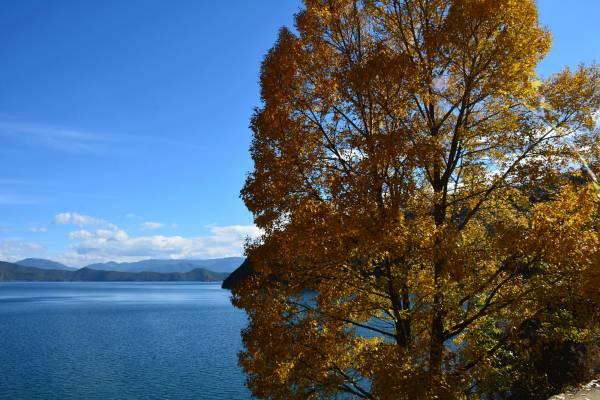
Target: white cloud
81, 235
231, 233
115, 244
73, 218
98, 240
152, 225
17, 249
102, 234
38, 229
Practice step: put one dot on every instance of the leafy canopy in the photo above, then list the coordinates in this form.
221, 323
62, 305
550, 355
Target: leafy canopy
421, 196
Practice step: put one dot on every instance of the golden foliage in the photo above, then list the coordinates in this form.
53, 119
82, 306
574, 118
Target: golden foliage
414, 180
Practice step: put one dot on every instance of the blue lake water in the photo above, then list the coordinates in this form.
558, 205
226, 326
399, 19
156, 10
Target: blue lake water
119, 341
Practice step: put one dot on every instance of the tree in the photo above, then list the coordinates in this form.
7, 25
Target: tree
401, 153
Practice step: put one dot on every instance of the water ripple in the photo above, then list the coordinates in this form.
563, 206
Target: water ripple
119, 341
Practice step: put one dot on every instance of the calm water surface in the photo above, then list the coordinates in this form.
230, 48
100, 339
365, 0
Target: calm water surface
119, 341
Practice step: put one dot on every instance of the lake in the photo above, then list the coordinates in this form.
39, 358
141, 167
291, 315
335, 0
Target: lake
119, 341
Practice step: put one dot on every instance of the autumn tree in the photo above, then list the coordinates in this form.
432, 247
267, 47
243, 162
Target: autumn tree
421, 195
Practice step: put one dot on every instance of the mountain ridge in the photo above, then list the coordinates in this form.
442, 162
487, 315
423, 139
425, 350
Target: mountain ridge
10, 272
43, 263
224, 264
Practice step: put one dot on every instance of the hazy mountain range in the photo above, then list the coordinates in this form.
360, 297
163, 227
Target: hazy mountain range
217, 264
43, 264
227, 264
15, 272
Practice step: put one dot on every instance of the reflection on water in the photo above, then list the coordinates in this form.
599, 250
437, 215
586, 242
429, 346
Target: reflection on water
119, 341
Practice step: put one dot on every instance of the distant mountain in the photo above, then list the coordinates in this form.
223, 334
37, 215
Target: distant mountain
242, 272
198, 275
14, 272
43, 264
168, 266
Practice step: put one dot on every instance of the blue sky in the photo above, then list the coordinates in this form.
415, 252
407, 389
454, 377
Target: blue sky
124, 124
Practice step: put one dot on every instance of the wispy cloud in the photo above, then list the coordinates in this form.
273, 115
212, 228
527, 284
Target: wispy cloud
58, 138
152, 225
74, 218
38, 229
18, 182
15, 199
75, 140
